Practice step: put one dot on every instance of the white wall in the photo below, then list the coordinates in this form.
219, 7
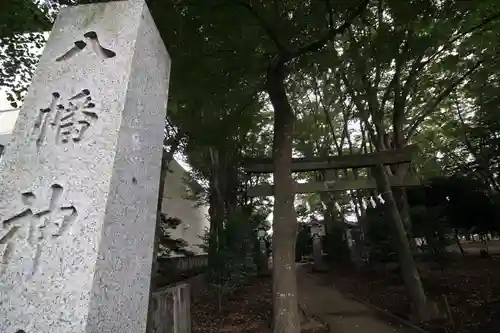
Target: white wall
7, 121
194, 219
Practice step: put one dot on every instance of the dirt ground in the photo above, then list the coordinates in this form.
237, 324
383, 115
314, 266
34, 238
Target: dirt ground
339, 314
470, 286
248, 310
473, 248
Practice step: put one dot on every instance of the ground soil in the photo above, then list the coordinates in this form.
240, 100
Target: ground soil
248, 310
470, 286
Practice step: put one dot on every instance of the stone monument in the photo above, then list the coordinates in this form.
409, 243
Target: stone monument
318, 231
79, 178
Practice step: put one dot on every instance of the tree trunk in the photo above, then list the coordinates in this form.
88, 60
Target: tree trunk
216, 212
402, 204
364, 228
460, 247
215, 223
357, 250
285, 309
403, 207
421, 308
231, 183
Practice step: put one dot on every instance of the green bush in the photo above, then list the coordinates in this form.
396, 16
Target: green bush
336, 246
167, 244
379, 236
233, 265
303, 245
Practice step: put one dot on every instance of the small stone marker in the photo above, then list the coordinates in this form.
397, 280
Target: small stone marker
318, 231
79, 178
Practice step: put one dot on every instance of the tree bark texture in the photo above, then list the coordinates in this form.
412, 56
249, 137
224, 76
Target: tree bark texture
216, 210
285, 309
403, 207
421, 307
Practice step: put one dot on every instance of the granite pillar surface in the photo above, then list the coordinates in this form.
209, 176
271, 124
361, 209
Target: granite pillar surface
80, 175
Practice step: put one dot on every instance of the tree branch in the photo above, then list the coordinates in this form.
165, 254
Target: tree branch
277, 9
362, 110
332, 33
445, 93
282, 49
418, 66
329, 9
412, 75
327, 115
346, 112
374, 109
387, 92
464, 131
483, 164
398, 105
380, 11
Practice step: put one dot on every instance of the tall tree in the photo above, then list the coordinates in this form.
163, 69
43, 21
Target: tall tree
286, 316
252, 35
398, 65
393, 71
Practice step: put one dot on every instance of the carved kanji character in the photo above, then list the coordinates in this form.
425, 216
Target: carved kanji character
42, 225
70, 121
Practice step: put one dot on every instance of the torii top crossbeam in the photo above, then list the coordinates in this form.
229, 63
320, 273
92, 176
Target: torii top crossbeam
387, 157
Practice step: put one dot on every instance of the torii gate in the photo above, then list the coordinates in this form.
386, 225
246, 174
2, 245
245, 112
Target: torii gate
329, 184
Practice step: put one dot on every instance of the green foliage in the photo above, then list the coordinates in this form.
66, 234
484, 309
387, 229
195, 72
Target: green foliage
458, 195
430, 224
23, 16
379, 235
335, 244
205, 239
405, 59
233, 265
22, 23
424, 71
167, 244
437, 209
303, 245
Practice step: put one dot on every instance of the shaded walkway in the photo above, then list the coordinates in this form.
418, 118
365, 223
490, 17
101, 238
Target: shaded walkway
341, 314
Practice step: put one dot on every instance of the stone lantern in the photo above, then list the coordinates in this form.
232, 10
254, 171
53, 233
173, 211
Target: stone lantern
317, 231
261, 233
